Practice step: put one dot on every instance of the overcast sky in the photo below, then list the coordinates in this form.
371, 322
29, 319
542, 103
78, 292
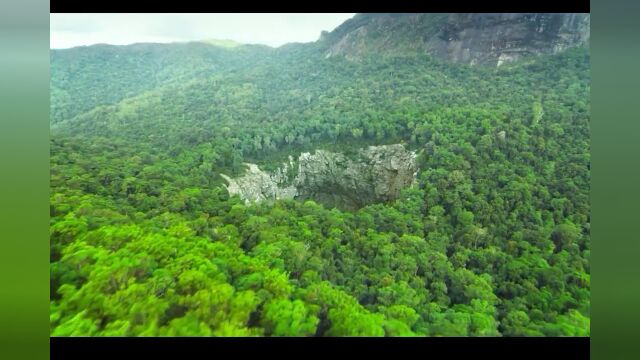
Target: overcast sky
69, 30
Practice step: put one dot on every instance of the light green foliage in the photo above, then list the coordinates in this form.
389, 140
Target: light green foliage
351, 322
493, 239
537, 113
283, 317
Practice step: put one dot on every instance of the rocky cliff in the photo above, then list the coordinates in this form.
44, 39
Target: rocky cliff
375, 174
484, 39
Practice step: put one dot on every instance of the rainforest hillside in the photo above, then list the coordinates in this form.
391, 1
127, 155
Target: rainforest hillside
487, 234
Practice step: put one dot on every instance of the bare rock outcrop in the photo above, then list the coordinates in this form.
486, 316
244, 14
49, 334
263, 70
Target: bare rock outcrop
371, 175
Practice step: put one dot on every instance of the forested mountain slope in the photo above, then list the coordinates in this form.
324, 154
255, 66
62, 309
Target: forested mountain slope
85, 77
493, 238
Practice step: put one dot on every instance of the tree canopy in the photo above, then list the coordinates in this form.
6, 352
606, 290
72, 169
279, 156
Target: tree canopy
492, 240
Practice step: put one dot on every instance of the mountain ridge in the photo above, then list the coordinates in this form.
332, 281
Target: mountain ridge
491, 237
474, 39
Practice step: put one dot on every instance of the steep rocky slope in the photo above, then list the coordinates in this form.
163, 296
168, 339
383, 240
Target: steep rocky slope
486, 39
374, 174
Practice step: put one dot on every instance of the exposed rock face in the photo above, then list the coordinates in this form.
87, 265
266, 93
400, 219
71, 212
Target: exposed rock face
495, 39
257, 185
486, 39
374, 174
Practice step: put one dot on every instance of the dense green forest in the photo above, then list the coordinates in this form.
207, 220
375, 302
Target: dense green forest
492, 240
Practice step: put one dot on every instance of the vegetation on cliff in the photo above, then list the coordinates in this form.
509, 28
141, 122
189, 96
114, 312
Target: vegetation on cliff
493, 240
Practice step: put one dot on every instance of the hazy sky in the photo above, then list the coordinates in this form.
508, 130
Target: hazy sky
69, 30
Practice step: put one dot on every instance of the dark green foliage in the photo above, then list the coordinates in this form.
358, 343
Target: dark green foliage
145, 241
